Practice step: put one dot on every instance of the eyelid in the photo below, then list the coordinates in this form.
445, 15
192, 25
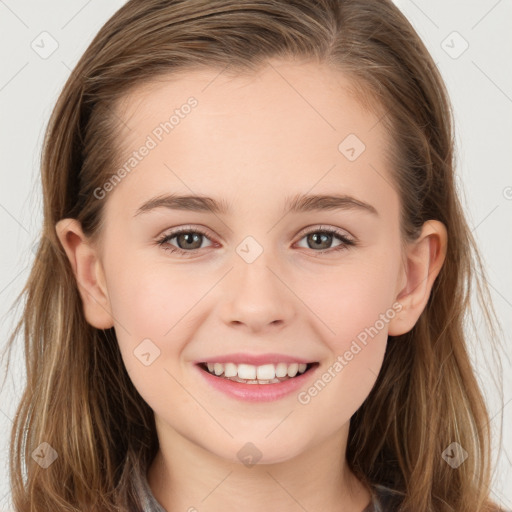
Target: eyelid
346, 238
304, 231
172, 232
313, 228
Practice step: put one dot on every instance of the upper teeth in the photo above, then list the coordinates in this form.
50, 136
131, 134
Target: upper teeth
251, 372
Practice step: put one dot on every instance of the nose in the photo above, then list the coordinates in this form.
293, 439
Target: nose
256, 296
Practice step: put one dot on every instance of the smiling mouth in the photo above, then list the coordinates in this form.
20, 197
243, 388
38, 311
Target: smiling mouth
291, 373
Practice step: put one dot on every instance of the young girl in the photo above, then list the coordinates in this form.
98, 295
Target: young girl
307, 350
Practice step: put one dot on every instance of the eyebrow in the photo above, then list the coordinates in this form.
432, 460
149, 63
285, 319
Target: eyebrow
295, 204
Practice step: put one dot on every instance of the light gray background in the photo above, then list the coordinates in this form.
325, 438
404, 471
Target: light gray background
479, 81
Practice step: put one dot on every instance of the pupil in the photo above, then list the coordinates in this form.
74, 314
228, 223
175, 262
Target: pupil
192, 235
315, 237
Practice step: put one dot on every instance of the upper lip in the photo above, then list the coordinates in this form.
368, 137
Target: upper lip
255, 359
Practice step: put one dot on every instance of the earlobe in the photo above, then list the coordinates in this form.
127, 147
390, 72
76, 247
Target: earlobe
424, 260
88, 272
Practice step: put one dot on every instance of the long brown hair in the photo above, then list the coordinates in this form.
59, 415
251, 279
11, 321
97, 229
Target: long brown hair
426, 396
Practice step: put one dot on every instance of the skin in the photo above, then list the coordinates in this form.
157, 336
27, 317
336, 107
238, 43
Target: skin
253, 140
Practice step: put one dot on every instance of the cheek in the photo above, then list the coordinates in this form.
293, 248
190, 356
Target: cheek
148, 309
148, 301
355, 308
358, 318
352, 301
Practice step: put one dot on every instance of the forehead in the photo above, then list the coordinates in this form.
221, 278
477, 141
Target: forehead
297, 126
303, 91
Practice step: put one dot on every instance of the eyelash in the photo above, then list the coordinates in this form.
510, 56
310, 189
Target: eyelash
347, 242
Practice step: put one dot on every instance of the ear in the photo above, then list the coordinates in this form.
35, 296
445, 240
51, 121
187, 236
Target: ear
423, 261
88, 272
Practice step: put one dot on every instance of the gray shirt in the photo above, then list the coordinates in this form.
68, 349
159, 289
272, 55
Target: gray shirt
144, 493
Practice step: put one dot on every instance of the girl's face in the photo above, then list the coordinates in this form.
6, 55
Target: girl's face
253, 276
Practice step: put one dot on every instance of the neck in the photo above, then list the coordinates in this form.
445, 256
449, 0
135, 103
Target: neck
185, 476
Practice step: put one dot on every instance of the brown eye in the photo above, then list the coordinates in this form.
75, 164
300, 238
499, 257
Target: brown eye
319, 240
322, 239
188, 240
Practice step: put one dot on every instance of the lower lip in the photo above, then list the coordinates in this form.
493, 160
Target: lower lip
257, 392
